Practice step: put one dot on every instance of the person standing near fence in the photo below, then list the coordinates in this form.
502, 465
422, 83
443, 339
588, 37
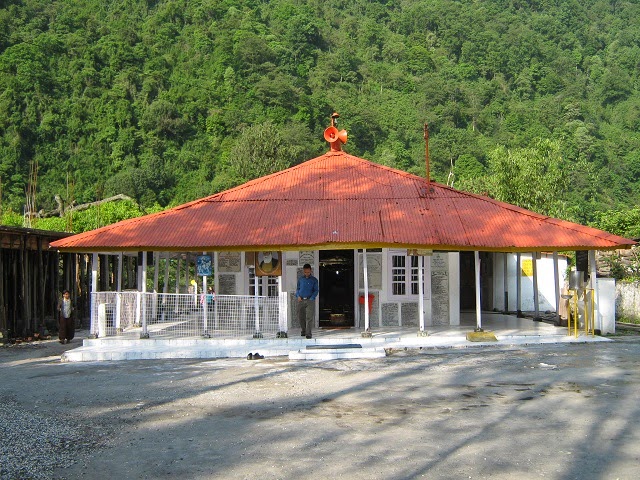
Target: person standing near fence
66, 320
206, 300
306, 293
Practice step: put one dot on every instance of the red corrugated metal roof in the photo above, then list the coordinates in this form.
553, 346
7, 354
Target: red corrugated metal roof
341, 201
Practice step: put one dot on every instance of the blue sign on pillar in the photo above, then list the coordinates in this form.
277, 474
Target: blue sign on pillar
203, 264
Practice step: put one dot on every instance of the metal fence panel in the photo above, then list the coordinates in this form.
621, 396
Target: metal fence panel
188, 315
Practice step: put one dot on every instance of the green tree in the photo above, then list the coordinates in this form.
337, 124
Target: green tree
263, 149
528, 177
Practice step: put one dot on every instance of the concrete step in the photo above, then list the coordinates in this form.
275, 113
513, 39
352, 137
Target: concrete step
337, 353
97, 354
292, 342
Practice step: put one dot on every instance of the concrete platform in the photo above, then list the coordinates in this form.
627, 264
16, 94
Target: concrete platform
509, 330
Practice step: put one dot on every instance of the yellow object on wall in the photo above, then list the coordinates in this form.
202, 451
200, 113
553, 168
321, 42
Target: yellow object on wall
527, 267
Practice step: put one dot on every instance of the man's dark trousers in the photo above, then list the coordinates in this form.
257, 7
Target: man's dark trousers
306, 314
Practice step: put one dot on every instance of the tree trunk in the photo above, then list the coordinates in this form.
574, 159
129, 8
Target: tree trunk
3, 311
61, 211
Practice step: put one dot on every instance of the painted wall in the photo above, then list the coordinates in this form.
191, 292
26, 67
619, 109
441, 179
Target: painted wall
230, 273
628, 300
546, 285
441, 293
606, 315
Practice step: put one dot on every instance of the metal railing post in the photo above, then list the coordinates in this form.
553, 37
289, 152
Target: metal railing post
256, 307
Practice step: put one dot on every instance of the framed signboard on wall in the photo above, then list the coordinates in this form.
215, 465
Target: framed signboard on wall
268, 263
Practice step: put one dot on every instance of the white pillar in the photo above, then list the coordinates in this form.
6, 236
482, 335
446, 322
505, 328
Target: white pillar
143, 273
593, 280
94, 290
536, 303
138, 306
187, 273
421, 292
165, 286
476, 256
518, 284
454, 288
256, 305
143, 296
119, 294
283, 309
119, 277
205, 306
366, 290
138, 295
215, 289
429, 304
505, 282
357, 321
178, 266
94, 272
556, 280
188, 280
156, 271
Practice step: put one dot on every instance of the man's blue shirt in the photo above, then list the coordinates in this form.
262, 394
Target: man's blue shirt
307, 287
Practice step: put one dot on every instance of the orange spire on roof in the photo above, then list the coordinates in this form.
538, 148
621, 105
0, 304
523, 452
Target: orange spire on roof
334, 136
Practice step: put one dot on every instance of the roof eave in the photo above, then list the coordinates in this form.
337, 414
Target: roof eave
341, 246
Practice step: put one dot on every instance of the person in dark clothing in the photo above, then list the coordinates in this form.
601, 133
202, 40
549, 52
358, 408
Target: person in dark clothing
66, 320
306, 293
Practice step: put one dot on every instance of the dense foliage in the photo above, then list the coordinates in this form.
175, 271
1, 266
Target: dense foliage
82, 221
535, 102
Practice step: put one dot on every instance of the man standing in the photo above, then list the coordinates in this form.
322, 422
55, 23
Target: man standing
306, 294
66, 321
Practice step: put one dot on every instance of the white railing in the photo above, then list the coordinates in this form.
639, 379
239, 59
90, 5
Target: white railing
188, 315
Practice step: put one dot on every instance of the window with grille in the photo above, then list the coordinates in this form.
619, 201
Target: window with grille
398, 275
272, 286
266, 284
414, 275
404, 275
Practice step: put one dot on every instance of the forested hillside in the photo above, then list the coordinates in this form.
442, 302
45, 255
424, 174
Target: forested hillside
533, 102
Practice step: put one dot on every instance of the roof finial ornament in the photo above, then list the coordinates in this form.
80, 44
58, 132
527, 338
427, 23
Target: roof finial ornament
334, 136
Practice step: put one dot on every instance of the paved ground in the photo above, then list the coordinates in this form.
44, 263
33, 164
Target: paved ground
564, 411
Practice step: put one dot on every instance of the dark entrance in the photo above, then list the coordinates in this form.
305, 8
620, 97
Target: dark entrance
468, 281
336, 288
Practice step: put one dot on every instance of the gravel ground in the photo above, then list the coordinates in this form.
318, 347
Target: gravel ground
554, 411
32, 445
35, 440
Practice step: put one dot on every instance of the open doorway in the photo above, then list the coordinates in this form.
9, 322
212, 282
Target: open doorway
468, 281
336, 278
